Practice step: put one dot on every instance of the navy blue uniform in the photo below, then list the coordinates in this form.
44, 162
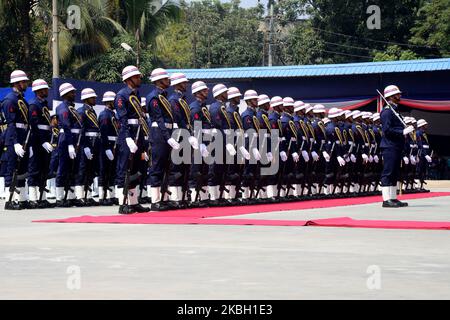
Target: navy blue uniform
391, 145
15, 109
162, 118
250, 122
200, 117
220, 122
127, 115
69, 124
109, 129
40, 125
182, 117
88, 169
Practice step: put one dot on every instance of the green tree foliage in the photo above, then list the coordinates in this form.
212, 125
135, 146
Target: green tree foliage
394, 52
223, 34
432, 27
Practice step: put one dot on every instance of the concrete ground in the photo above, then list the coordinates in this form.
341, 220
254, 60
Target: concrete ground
108, 261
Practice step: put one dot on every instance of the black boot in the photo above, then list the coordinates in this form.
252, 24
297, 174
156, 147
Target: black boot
90, 202
34, 205
126, 209
402, 204
139, 208
391, 204
159, 206
44, 204
12, 205
77, 203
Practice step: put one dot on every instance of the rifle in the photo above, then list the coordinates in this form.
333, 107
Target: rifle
88, 173
16, 176
71, 173
44, 173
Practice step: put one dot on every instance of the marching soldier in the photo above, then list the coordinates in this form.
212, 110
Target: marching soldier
41, 144
425, 155
392, 144
251, 126
179, 173
201, 121
161, 140
68, 144
17, 134
109, 129
130, 142
233, 175
289, 154
219, 122
334, 151
89, 149
265, 147
276, 104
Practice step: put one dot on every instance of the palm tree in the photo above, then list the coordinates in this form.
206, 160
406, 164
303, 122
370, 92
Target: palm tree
144, 19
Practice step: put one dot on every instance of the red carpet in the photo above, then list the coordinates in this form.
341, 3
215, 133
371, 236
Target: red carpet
197, 216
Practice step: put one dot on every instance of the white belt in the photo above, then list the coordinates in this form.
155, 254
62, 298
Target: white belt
133, 121
21, 125
323, 141
228, 131
71, 130
350, 143
293, 139
311, 139
366, 144
338, 142
283, 139
92, 134
304, 138
168, 125
112, 138
267, 135
425, 146
206, 131
44, 127
413, 145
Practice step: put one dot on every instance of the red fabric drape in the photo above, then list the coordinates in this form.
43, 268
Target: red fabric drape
426, 105
359, 104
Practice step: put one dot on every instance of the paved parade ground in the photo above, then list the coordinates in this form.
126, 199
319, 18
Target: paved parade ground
158, 261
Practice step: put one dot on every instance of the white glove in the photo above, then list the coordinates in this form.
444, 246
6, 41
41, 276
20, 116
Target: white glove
175, 145
347, 158
428, 158
283, 156
406, 160
109, 154
30, 152
370, 158
204, 150
269, 156
341, 161
47, 146
19, 150
72, 153
305, 156
413, 159
193, 142
145, 156
326, 156
352, 158
88, 153
365, 157
295, 156
315, 156
230, 148
408, 130
376, 159
131, 145
256, 154
244, 152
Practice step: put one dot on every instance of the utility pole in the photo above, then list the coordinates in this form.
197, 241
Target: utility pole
55, 40
270, 34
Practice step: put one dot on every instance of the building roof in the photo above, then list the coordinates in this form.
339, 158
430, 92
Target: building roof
318, 70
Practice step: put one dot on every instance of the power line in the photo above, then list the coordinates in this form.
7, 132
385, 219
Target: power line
370, 49
379, 41
346, 54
